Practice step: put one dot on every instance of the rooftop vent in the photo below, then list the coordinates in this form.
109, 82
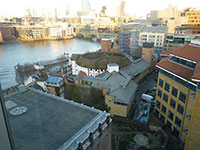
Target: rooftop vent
18, 111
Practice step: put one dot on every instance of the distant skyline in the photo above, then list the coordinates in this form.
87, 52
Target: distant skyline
137, 8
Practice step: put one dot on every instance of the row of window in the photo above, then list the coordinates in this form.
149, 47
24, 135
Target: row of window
175, 131
174, 92
178, 80
179, 109
171, 116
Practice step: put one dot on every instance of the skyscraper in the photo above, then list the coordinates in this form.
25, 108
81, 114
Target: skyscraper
67, 7
122, 7
86, 8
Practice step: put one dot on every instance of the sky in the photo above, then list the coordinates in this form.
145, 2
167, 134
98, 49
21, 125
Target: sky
133, 7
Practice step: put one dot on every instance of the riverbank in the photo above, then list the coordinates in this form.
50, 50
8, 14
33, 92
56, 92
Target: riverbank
15, 51
45, 39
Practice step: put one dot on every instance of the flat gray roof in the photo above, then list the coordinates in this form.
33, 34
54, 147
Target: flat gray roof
135, 68
50, 122
160, 29
114, 83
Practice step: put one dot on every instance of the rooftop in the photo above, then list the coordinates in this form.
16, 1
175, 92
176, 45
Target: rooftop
192, 36
119, 84
188, 52
99, 60
189, 62
54, 79
50, 122
136, 68
196, 74
155, 28
176, 68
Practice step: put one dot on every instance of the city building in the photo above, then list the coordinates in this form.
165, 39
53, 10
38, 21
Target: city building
119, 85
129, 37
193, 20
147, 52
77, 68
108, 45
61, 32
178, 94
1, 38
86, 8
192, 26
32, 120
7, 32
95, 63
119, 96
153, 34
55, 86
122, 8
32, 32
171, 17
174, 41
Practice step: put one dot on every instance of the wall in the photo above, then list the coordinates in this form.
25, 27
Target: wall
4, 135
7, 33
115, 109
188, 105
90, 72
1, 38
103, 142
147, 54
192, 142
152, 37
106, 45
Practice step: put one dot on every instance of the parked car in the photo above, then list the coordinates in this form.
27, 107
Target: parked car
147, 98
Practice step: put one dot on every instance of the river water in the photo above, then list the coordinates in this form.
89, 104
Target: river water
12, 53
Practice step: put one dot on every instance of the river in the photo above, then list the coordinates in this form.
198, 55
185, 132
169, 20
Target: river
12, 53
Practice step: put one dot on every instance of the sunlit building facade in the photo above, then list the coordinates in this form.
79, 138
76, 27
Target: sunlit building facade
178, 93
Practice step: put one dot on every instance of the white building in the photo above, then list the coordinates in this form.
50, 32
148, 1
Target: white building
90, 72
61, 31
55, 32
154, 35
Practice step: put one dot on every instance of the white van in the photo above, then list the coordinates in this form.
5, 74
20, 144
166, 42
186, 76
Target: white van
147, 98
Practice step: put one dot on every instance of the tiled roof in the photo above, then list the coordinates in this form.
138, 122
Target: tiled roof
166, 52
196, 74
188, 52
176, 69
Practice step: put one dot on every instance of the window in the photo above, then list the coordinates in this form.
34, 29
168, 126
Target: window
162, 118
169, 125
174, 92
172, 103
161, 83
182, 97
170, 115
157, 113
178, 122
159, 93
158, 104
180, 109
120, 103
163, 109
167, 86
176, 132
165, 97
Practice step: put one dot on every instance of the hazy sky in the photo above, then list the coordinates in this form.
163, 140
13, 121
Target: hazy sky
134, 7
